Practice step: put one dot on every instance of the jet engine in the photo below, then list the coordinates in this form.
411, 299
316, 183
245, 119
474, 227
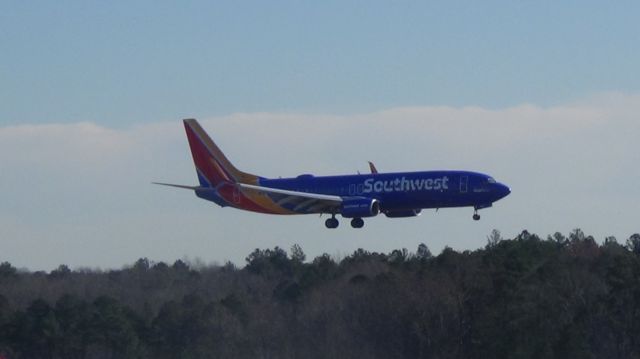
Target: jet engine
403, 213
360, 207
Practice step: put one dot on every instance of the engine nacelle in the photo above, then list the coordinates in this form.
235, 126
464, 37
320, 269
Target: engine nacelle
360, 207
403, 213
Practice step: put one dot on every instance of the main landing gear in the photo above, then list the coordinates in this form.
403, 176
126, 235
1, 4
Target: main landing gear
357, 223
476, 216
333, 222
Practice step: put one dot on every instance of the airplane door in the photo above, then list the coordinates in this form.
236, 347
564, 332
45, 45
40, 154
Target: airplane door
464, 184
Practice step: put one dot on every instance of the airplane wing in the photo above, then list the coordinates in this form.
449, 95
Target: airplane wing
298, 201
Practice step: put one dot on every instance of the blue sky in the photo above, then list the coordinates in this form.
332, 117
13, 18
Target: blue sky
542, 95
119, 63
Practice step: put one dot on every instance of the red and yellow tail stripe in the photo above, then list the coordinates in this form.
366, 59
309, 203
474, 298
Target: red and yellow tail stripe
215, 170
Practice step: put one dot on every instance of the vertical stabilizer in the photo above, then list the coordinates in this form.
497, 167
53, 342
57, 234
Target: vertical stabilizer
212, 165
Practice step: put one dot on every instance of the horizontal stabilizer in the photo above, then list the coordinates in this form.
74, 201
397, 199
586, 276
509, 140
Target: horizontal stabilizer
178, 185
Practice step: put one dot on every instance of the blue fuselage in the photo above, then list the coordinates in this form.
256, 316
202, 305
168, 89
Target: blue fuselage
403, 190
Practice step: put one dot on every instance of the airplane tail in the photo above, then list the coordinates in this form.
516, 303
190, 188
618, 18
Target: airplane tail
212, 166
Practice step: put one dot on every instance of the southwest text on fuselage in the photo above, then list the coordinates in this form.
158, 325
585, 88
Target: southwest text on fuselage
402, 184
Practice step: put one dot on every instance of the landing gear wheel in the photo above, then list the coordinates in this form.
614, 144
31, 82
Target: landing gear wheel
331, 222
357, 223
476, 217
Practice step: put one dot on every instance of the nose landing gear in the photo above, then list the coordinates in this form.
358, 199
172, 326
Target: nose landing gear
476, 216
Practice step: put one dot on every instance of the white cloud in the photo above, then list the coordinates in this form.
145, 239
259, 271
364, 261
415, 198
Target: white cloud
81, 192
79, 143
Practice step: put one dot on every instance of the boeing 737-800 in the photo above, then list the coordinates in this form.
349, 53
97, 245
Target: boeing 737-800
402, 194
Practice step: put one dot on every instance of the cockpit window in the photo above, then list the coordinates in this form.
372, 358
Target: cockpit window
491, 180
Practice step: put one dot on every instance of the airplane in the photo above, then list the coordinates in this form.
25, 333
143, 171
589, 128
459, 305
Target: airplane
401, 194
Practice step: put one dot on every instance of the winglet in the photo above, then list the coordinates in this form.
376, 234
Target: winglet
372, 167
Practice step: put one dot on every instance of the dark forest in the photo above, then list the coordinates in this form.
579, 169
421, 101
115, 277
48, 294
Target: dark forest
525, 297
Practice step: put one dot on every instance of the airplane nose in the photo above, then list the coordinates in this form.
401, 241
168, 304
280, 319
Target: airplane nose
503, 190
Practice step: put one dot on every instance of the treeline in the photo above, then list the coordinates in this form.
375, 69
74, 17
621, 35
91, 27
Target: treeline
526, 297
